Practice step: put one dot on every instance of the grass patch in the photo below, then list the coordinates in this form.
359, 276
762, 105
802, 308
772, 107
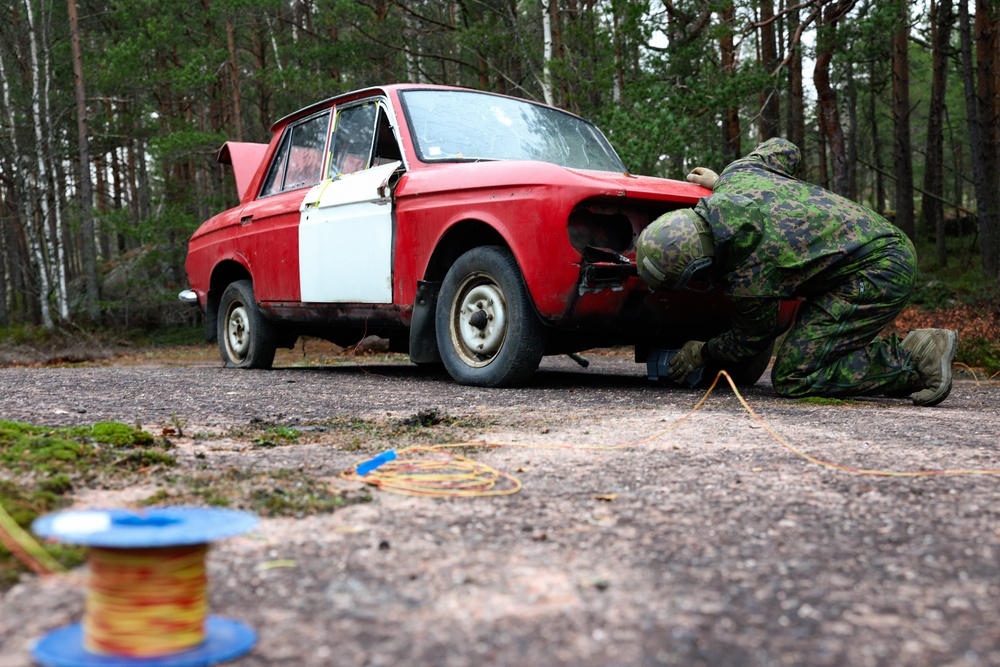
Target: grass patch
275, 436
40, 467
431, 426
272, 493
350, 433
822, 400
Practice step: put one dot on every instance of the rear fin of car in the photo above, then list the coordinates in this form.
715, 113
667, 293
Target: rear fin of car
245, 157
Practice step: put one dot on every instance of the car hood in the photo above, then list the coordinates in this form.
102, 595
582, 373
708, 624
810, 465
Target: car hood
450, 177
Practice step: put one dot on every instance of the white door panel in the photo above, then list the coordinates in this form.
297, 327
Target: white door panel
345, 239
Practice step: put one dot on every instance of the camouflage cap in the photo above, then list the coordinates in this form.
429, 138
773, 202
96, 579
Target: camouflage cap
673, 248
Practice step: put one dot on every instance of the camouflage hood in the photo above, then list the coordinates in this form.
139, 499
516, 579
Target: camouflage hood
778, 155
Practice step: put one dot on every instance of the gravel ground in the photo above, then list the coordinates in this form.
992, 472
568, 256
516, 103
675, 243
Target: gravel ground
709, 545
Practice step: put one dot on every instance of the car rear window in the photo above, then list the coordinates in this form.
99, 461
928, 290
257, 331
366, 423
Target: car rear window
450, 126
298, 162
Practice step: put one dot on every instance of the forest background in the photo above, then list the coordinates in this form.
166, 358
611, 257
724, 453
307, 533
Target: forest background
112, 113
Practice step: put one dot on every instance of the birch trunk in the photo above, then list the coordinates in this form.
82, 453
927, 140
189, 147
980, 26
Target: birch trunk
37, 178
50, 178
547, 51
31, 232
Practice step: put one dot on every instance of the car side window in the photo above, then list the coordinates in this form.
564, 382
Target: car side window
298, 162
386, 146
353, 139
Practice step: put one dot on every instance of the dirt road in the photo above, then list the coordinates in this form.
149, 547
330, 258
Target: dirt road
710, 545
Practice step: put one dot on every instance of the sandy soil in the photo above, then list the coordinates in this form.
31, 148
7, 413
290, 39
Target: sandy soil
711, 544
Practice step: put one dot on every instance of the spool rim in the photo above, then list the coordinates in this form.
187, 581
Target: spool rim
225, 639
153, 527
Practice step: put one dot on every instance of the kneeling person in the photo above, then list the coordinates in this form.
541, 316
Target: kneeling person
764, 236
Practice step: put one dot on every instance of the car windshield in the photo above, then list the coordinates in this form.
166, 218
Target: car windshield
457, 126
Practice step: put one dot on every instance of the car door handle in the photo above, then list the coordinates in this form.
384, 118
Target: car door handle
246, 220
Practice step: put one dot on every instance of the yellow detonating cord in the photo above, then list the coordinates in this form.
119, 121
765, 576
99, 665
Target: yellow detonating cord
451, 475
435, 473
146, 602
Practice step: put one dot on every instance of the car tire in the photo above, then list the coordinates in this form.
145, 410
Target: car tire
487, 330
246, 338
746, 373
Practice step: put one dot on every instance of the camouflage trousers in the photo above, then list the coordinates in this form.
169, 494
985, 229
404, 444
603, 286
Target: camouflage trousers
833, 348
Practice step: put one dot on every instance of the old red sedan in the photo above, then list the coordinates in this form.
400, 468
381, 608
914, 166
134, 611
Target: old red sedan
470, 229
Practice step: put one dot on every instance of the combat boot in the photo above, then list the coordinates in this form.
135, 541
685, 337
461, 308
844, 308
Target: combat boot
932, 352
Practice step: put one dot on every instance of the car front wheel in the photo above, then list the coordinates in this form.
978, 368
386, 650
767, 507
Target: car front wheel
487, 331
246, 338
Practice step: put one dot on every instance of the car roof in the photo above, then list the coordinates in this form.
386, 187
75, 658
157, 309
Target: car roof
386, 90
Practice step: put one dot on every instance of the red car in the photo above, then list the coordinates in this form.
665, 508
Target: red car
470, 229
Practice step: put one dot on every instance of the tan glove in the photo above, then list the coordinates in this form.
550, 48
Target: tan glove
687, 360
704, 177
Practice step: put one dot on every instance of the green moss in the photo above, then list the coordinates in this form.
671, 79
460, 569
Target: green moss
120, 435
820, 400
144, 458
26, 448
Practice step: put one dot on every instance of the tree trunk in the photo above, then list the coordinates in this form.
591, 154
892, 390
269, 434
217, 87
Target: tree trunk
89, 246
931, 207
822, 164
41, 226
986, 72
770, 109
5, 265
731, 149
985, 187
827, 108
852, 134
796, 91
547, 52
234, 79
901, 152
879, 203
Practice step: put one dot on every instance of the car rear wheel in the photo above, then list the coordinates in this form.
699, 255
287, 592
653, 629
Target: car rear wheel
246, 338
487, 331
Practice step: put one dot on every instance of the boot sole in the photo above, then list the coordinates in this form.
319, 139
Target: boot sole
947, 359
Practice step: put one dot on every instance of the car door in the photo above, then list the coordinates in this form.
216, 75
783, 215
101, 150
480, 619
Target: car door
270, 223
346, 232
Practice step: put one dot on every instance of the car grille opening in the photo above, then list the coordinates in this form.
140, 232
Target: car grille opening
600, 229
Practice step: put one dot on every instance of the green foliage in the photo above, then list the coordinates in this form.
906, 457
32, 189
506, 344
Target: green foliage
159, 79
185, 143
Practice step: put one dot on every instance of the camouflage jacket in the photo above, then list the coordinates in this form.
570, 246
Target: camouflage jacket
778, 237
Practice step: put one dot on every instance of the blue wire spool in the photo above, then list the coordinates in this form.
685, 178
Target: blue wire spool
225, 639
